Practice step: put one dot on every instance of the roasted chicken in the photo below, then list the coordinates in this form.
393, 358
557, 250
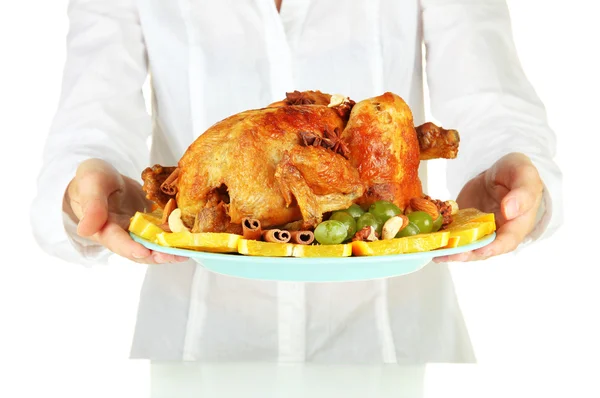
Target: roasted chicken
298, 159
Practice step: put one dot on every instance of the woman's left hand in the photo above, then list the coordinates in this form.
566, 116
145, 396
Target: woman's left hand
512, 190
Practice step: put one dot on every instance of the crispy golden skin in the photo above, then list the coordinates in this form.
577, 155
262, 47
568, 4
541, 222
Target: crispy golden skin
153, 178
436, 142
384, 149
298, 158
332, 185
241, 155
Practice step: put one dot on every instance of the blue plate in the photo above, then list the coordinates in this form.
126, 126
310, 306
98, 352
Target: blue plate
334, 269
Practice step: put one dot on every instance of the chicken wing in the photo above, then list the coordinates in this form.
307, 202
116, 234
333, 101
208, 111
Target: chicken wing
436, 142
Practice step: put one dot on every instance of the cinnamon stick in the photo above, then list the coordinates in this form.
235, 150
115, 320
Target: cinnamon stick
251, 228
276, 236
168, 186
302, 237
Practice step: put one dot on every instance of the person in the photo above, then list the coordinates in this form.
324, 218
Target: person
206, 60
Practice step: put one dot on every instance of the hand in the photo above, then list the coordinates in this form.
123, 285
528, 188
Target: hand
512, 190
103, 201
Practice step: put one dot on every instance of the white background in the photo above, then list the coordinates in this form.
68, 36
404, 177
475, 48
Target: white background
64, 322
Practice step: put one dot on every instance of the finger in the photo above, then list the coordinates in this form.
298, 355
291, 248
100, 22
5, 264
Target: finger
511, 171
162, 258
157, 257
117, 240
508, 238
90, 194
459, 257
94, 215
465, 257
524, 175
519, 177
520, 201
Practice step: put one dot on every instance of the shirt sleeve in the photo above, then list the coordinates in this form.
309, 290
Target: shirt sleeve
478, 87
101, 114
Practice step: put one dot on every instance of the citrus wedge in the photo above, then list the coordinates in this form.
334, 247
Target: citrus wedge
426, 242
468, 215
409, 244
452, 242
464, 234
145, 226
343, 250
202, 241
379, 247
264, 249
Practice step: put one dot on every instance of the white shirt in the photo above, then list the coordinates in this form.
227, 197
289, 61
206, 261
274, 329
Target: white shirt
210, 59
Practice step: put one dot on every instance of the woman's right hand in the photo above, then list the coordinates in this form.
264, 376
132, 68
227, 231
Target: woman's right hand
103, 201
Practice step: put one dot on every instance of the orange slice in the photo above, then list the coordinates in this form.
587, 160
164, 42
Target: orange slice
201, 241
265, 249
379, 247
426, 242
464, 234
468, 226
465, 216
145, 226
343, 250
452, 242
409, 244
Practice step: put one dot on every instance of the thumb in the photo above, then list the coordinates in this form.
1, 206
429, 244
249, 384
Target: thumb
518, 202
517, 174
95, 215
90, 200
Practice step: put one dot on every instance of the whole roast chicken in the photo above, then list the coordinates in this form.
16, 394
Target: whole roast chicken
298, 159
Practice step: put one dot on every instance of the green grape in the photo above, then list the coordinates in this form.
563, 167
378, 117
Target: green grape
345, 218
331, 232
368, 219
437, 224
410, 230
384, 210
355, 211
422, 220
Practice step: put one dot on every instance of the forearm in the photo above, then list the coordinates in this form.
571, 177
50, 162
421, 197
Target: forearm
101, 114
478, 87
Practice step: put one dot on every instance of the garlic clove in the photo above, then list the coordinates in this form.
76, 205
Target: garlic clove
372, 235
453, 205
336, 100
175, 223
393, 226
